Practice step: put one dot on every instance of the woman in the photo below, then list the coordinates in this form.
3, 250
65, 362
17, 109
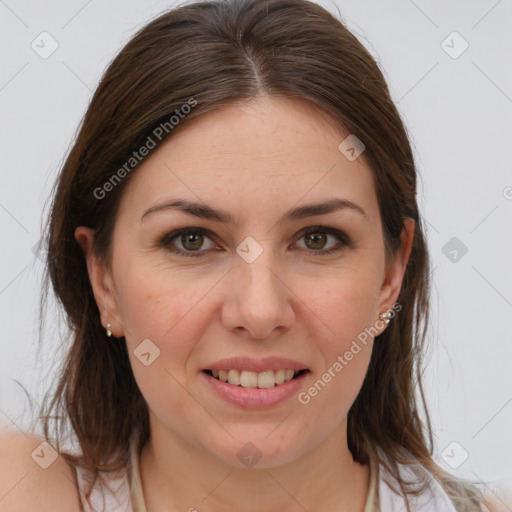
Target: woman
237, 245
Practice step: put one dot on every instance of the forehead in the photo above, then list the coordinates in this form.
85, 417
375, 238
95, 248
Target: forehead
261, 155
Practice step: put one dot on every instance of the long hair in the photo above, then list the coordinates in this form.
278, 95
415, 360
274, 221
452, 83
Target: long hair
206, 55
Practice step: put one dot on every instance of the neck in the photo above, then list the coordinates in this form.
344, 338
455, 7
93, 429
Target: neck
179, 476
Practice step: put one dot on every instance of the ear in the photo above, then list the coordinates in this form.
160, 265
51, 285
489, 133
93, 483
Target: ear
101, 282
395, 270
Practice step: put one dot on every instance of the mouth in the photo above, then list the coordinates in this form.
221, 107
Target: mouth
256, 380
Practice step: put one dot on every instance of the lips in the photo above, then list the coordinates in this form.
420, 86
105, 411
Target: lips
255, 383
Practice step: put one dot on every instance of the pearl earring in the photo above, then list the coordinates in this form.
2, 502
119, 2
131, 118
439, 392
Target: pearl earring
109, 332
386, 317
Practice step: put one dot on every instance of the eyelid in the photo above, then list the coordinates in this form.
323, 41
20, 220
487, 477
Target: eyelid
325, 229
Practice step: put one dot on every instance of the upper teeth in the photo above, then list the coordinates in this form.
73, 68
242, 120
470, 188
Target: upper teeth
247, 379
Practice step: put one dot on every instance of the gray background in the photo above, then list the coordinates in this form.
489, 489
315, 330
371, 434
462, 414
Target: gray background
458, 110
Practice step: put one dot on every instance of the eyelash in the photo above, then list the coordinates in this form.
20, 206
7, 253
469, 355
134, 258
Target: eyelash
344, 240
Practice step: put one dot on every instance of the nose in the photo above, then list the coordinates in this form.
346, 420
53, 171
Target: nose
259, 301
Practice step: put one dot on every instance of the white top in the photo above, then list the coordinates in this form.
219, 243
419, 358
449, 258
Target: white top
127, 495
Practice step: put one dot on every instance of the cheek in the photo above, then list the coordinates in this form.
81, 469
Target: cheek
345, 304
332, 389
346, 307
158, 315
330, 394
168, 312
153, 303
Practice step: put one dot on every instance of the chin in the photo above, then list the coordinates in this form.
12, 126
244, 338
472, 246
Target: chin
258, 452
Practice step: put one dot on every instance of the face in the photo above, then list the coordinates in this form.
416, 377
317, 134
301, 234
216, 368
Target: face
266, 284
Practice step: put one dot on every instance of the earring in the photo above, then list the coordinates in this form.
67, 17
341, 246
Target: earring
386, 317
109, 332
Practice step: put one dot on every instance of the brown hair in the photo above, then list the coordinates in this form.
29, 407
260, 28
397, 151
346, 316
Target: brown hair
216, 53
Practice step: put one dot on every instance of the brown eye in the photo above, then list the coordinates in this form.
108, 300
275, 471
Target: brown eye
192, 242
316, 240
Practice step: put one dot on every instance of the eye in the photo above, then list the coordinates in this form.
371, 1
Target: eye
316, 238
190, 239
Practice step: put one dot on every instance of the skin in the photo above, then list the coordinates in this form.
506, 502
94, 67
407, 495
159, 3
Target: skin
257, 160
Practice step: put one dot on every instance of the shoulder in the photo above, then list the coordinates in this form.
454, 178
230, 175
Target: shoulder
498, 499
412, 483
34, 476
449, 494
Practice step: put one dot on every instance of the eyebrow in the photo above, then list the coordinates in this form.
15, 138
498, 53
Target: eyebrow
204, 211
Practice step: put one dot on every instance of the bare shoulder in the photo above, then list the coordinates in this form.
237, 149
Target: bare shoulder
33, 476
495, 503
